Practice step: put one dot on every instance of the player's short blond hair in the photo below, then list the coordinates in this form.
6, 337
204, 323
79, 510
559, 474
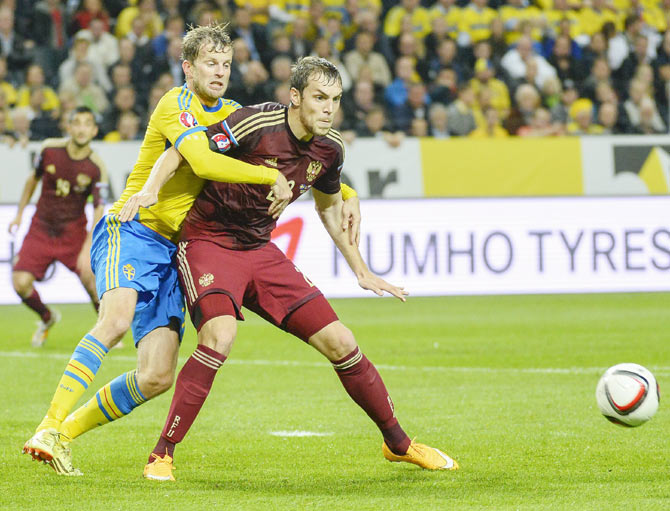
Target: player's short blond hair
215, 35
313, 67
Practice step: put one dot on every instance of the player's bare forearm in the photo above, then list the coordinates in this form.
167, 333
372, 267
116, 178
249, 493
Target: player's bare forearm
351, 219
26, 194
329, 208
165, 167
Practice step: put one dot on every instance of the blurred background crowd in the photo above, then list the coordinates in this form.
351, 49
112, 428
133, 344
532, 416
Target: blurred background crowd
484, 68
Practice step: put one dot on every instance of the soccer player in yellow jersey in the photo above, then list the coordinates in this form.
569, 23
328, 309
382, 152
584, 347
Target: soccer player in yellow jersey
136, 275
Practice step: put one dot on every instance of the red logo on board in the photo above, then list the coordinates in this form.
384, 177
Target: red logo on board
187, 119
222, 141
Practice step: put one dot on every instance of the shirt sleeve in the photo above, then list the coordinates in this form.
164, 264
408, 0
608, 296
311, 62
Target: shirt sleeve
242, 128
173, 119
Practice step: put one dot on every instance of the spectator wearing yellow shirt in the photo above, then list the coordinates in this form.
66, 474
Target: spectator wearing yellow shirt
336, 7
516, 11
420, 19
475, 23
7, 88
448, 11
581, 112
146, 10
259, 10
286, 11
492, 128
560, 11
592, 19
484, 78
35, 80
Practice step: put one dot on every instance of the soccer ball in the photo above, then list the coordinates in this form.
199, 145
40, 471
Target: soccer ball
628, 395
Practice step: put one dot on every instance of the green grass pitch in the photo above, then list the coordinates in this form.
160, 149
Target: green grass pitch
504, 384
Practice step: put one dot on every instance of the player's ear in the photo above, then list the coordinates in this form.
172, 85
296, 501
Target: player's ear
294, 94
186, 67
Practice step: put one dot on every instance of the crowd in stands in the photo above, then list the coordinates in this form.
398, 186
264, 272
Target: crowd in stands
440, 68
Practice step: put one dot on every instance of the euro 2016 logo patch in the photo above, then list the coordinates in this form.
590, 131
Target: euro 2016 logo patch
313, 170
206, 279
222, 141
129, 271
187, 119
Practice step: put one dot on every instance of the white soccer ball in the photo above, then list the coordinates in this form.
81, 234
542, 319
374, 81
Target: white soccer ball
628, 395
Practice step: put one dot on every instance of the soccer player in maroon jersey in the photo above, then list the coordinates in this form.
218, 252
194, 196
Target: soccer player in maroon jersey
70, 172
226, 260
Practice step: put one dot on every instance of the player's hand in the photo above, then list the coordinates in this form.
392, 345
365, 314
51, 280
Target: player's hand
378, 285
282, 196
141, 199
14, 225
351, 219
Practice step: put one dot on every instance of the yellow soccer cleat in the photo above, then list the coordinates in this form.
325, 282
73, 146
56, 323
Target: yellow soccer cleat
62, 460
422, 455
41, 445
160, 469
47, 445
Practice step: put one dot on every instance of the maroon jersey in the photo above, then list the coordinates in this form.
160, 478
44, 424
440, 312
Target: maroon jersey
66, 185
235, 215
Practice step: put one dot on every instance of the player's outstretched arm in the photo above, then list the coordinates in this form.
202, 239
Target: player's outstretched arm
28, 190
329, 207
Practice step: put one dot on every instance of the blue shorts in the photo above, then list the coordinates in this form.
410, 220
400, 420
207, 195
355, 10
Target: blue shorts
132, 255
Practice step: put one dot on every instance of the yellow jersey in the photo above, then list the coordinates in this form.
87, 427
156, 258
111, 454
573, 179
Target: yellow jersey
180, 120
476, 22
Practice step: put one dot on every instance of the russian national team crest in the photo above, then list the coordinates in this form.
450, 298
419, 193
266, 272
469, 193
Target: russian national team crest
313, 170
222, 141
129, 271
206, 279
83, 182
187, 119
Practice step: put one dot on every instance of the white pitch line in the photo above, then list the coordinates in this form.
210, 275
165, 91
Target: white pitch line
658, 370
298, 433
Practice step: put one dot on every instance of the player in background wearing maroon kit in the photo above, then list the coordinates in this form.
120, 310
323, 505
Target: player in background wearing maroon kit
70, 172
226, 260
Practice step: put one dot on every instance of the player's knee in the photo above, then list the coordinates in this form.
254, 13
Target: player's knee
23, 283
114, 326
340, 341
218, 334
154, 381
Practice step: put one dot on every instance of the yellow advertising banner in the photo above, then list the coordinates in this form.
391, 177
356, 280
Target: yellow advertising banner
463, 167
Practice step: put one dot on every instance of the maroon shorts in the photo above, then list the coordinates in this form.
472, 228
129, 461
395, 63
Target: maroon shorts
263, 280
41, 247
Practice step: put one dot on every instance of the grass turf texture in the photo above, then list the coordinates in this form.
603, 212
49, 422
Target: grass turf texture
504, 384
